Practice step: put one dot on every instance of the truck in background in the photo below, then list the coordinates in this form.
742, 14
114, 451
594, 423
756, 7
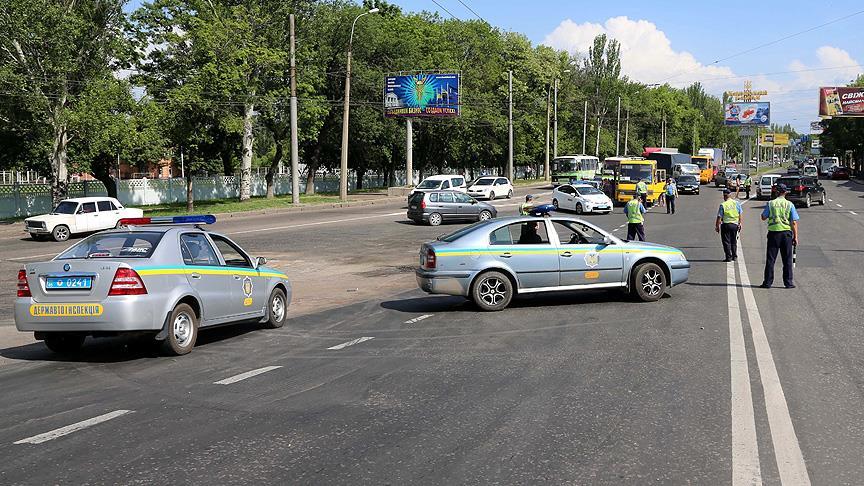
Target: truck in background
667, 159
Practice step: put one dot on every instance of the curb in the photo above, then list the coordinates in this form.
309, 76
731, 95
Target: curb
312, 207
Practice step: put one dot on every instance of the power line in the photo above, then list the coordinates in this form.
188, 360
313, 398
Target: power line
472, 10
445, 9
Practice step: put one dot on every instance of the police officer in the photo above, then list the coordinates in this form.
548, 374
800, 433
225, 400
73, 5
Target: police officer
635, 212
728, 224
642, 191
671, 196
747, 184
527, 206
782, 220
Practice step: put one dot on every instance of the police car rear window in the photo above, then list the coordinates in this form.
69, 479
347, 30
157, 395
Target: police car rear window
138, 244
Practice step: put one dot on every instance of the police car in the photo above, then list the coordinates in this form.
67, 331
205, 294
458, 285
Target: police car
167, 277
492, 261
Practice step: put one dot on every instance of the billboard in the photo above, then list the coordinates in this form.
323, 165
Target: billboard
422, 95
747, 114
766, 140
816, 127
841, 102
781, 139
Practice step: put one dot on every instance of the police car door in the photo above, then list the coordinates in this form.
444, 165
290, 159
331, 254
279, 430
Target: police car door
584, 258
248, 292
202, 265
525, 248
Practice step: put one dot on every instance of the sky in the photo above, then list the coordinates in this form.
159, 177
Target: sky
679, 42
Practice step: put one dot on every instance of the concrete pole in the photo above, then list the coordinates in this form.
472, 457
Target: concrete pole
555, 123
597, 147
409, 152
295, 157
343, 160
584, 127
546, 175
618, 131
510, 129
627, 133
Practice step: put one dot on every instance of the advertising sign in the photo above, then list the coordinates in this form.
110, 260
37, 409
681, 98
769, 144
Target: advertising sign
766, 140
815, 143
816, 127
781, 139
749, 114
421, 95
841, 102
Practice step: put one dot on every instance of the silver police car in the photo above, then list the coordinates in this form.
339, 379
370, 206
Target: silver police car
164, 279
492, 261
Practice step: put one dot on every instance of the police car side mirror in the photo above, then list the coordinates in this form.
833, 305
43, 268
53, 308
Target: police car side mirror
260, 261
607, 240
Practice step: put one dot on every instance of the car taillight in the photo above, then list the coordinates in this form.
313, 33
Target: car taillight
800, 188
423, 204
431, 262
23, 285
127, 282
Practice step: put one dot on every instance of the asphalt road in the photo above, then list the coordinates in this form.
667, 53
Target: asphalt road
717, 383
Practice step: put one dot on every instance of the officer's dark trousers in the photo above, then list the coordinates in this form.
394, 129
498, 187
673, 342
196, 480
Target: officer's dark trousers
635, 231
779, 241
729, 235
670, 204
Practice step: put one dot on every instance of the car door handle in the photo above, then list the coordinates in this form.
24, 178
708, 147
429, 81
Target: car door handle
196, 276
566, 254
506, 254
237, 277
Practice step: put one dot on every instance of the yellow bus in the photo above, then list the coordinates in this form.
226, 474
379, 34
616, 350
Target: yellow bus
706, 168
624, 172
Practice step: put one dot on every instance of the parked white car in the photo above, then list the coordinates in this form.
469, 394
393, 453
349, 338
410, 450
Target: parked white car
79, 215
766, 182
491, 188
453, 182
582, 198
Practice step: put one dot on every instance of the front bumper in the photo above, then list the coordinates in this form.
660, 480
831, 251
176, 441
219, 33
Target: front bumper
447, 283
119, 314
679, 272
689, 190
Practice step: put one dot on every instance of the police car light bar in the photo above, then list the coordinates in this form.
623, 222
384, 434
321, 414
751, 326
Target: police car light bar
191, 219
542, 210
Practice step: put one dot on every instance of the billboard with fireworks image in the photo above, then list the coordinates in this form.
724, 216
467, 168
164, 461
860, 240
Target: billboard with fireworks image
422, 95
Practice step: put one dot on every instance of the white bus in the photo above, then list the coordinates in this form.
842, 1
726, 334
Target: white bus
825, 163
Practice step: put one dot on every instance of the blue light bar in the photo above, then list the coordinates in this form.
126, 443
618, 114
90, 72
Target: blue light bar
195, 219
190, 219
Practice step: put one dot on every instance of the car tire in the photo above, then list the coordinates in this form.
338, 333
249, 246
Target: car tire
492, 291
60, 232
579, 209
277, 309
484, 216
648, 282
435, 219
510, 194
182, 331
555, 203
822, 201
491, 195
63, 343
808, 201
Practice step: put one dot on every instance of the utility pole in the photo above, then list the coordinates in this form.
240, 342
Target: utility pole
618, 131
295, 157
584, 127
510, 129
409, 152
555, 123
597, 147
548, 108
627, 133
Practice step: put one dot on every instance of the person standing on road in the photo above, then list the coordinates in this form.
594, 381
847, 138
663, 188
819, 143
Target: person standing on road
782, 220
671, 196
527, 206
728, 224
635, 212
747, 184
642, 191
737, 180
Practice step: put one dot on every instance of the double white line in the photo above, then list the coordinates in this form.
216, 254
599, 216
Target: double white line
745, 448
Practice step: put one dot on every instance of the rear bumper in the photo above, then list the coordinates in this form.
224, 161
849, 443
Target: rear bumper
119, 314
417, 215
447, 283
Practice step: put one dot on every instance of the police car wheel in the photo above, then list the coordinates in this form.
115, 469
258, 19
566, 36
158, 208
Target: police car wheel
648, 282
182, 331
435, 219
62, 343
276, 310
492, 291
510, 194
60, 232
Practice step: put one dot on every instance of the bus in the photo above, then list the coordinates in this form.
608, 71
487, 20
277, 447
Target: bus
706, 168
570, 169
623, 173
667, 159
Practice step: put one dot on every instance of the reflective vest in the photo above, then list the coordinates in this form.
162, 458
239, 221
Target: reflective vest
779, 212
525, 208
634, 216
748, 181
730, 211
641, 188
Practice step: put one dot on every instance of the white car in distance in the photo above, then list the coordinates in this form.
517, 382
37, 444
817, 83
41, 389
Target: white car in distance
766, 182
79, 215
441, 183
491, 187
581, 198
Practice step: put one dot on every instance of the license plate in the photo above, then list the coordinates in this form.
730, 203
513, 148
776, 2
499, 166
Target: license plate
71, 283
66, 310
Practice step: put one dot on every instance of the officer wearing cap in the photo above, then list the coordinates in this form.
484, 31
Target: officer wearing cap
527, 206
642, 191
782, 236
635, 212
728, 224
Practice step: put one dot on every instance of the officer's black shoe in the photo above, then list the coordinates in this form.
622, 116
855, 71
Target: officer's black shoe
790, 286
727, 260
764, 286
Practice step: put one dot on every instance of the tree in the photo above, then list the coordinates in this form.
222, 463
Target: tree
603, 70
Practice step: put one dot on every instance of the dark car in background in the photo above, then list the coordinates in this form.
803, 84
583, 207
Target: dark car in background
803, 191
841, 173
436, 207
687, 184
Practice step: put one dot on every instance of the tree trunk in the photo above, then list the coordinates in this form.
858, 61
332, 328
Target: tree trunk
358, 184
271, 171
246, 162
59, 158
312, 167
190, 202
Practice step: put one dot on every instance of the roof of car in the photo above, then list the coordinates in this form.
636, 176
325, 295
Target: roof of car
442, 177
89, 199
155, 228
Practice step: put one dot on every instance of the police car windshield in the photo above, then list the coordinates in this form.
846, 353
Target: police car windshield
138, 244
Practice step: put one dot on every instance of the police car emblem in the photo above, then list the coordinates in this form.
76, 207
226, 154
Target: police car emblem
247, 287
592, 259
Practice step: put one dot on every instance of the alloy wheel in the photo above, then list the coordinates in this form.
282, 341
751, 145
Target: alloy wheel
493, 291
652, 282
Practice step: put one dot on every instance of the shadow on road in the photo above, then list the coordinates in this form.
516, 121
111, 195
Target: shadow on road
441, 304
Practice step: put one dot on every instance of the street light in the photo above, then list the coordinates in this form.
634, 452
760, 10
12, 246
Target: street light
343, 165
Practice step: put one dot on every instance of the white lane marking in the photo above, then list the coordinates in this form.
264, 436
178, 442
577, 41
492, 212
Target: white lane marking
243, 376
787, 451
745, 447
350, 343
34, 256
853, 212
839, 205
418, 319
831, 200
317, 223
53, 434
